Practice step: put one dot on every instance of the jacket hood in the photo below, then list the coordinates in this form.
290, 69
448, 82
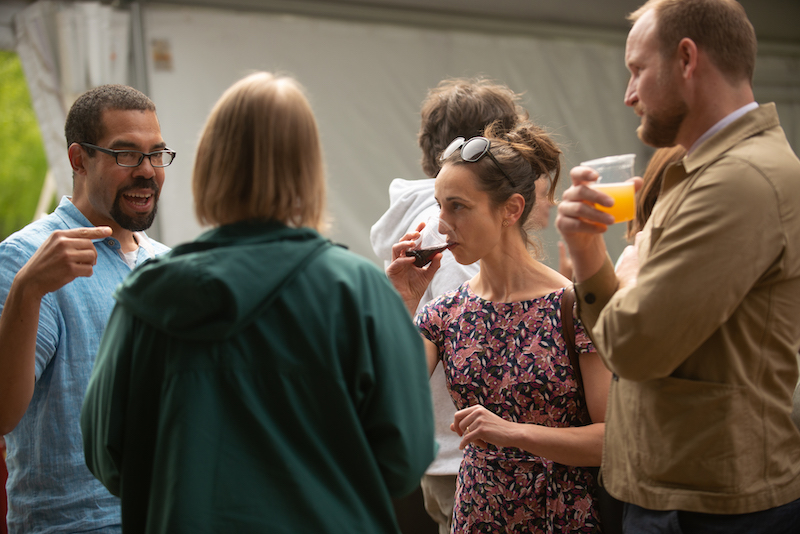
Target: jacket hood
407, 199
213, 287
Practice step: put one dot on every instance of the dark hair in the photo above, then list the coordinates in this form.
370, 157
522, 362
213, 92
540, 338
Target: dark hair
652, 178
84, 120
527, 153
461, 107
719, 27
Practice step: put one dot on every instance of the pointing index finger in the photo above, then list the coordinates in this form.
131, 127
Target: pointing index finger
89, 232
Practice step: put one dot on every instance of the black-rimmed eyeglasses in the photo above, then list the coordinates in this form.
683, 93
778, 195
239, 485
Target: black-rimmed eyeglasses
473, 150
134, 158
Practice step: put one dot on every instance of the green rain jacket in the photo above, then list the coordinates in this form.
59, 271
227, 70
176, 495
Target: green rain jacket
259, 380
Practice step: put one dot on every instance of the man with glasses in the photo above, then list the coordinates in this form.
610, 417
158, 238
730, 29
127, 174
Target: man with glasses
57, 276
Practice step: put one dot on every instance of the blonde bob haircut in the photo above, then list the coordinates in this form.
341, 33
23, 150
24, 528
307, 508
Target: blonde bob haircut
260, 157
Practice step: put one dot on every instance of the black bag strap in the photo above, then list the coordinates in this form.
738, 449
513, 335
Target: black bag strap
610, 508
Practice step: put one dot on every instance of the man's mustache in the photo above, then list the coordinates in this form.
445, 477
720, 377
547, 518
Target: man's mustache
141, 183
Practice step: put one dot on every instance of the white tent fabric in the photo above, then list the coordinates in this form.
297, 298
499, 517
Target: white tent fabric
366, 81
93, 47
35, 34
66, 49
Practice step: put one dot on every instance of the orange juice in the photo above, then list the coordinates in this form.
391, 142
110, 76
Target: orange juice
624, 208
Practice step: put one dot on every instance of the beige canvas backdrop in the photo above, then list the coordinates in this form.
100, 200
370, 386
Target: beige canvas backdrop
365, 79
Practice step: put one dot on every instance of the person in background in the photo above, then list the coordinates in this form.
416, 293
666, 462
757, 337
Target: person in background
259, 378
57, 276
455, 107
702, 335
527, 430
652, 178
646, 198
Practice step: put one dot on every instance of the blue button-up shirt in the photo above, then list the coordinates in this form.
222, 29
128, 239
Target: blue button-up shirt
49, 486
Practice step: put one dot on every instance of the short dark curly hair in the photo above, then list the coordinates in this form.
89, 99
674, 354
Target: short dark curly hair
463, 107
84, 120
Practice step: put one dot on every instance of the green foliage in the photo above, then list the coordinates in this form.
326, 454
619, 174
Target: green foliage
23, 163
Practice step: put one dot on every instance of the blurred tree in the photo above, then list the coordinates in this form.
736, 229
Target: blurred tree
23, 164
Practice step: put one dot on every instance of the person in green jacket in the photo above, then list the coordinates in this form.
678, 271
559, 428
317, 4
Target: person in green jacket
259, 379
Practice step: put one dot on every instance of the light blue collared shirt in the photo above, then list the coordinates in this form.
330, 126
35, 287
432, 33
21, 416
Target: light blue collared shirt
50, 489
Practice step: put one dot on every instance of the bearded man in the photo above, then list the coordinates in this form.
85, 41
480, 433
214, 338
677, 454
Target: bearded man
699, 323
57, 276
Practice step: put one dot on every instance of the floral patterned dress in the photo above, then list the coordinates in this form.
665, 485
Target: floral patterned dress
511, 358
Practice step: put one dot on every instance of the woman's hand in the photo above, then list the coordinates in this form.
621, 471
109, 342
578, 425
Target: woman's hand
628, 267
410, 281
478, 425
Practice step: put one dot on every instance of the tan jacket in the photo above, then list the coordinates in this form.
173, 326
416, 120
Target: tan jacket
703, 347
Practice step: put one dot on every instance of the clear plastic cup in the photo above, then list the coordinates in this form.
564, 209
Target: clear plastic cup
432, 240
614, 171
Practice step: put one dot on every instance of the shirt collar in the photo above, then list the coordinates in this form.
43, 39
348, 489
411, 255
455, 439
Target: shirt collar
722, 124
71, 215
144, 242
75, 219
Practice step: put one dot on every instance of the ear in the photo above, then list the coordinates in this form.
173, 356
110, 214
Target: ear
687, 56
513, 208
76, 158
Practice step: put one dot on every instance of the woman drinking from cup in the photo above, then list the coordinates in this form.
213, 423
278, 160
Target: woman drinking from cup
525, 427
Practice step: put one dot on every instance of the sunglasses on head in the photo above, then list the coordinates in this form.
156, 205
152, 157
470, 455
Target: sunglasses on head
473, 150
